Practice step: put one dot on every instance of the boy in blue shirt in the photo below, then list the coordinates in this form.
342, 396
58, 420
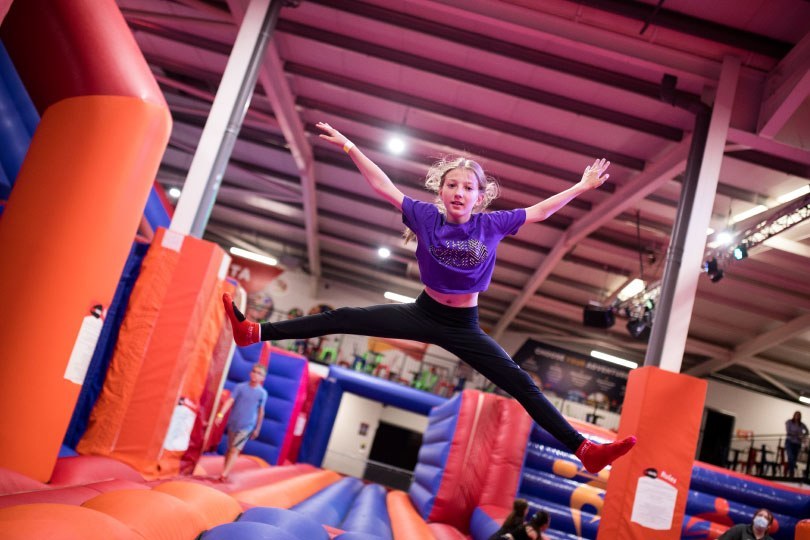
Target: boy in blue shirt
245, 422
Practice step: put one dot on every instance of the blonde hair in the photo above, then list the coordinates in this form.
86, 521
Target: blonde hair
434, 180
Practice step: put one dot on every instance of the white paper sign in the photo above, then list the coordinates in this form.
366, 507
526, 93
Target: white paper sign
300, 424
654, 505
83, 349
179, 432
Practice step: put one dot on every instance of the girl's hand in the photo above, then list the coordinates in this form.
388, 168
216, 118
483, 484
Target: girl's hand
331, 134
594, 175
255, 433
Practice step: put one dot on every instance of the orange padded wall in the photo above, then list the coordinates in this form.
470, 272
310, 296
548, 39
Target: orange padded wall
648, 488
65, 235
68, 226
166, 340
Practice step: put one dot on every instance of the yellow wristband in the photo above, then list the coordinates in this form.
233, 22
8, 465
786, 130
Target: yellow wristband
348, 146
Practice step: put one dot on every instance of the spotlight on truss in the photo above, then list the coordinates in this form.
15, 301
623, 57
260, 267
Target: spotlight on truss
639, 328
740, 252
712, 269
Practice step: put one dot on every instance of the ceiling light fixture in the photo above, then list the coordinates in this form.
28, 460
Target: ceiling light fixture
398, 297
631, 289
614, 359
725, 238
396, 145
245, 254
384, 252
175, 193
804, 399
795, 194
742, 216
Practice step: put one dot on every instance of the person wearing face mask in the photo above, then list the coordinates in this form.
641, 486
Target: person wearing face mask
757, 530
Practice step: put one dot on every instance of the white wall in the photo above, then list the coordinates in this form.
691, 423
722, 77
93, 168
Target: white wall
348, 448
764, 415
404, 419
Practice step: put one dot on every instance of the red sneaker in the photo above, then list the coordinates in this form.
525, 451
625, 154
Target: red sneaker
596, 457
245, 332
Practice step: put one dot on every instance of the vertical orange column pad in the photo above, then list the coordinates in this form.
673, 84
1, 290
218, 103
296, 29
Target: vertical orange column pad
648, 488
64, 238
166, 339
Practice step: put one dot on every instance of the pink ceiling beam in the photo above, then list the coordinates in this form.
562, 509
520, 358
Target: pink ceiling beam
786, 88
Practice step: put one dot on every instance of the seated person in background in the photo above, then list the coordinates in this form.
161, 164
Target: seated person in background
533, 530
757, 530
514, 519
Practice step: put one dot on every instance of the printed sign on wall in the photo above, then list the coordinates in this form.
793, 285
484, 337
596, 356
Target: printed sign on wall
573, 376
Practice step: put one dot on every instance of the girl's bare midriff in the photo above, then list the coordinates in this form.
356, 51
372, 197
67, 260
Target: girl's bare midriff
454, 300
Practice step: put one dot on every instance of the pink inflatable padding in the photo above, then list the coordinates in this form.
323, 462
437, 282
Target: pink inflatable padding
211, 465
75, 495
14, 482
252, 479
442, 531
505, 460
466, 467
80, 470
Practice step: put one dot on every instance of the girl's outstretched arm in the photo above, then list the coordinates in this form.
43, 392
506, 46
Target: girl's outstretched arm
593, 177
375, 177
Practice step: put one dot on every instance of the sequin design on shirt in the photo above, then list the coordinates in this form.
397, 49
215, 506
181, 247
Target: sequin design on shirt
461, 253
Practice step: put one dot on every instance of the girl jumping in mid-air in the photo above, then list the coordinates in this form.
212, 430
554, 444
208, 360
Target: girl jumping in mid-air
456, 256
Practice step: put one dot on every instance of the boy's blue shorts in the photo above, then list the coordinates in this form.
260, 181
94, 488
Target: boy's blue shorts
239, 438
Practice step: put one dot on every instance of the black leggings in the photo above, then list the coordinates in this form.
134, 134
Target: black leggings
453, 329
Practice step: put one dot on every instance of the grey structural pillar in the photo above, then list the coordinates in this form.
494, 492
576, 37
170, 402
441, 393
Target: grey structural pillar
225, 119
685, 255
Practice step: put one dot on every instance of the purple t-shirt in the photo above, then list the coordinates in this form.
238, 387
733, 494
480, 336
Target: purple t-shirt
457, 258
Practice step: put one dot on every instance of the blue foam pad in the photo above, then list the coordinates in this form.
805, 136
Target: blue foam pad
330, 505
298, 525
369, 513
242, 530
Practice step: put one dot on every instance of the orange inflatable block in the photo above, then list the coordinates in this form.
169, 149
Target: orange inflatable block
287, 493
406, 523
214, 506
803, 530
66, 522
151, 514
